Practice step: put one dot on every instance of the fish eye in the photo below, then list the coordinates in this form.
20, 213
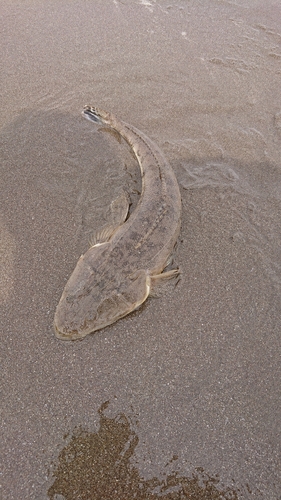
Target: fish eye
70, 299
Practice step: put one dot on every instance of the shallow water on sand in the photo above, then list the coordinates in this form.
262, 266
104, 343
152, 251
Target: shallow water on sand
192, 378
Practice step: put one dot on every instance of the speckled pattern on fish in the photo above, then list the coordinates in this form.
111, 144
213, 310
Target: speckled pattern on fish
128, 257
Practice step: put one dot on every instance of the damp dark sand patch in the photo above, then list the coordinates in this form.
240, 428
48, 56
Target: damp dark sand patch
96, 466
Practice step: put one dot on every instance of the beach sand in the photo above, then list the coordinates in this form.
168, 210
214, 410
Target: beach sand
180, 399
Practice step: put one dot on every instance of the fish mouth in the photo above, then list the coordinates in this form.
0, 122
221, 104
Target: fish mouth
91, 113
72, 335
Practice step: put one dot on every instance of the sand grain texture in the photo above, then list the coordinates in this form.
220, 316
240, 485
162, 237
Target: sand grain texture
192, 379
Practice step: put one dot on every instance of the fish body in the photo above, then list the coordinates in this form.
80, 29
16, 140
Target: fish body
127, 258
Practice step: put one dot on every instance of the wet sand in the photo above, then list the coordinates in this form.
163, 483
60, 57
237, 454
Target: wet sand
181, 399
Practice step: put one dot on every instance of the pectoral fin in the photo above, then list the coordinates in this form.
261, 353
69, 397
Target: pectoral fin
166, 276
103, 235
159, 281
118, 213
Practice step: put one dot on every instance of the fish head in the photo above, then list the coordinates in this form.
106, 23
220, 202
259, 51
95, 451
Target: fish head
97, 294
